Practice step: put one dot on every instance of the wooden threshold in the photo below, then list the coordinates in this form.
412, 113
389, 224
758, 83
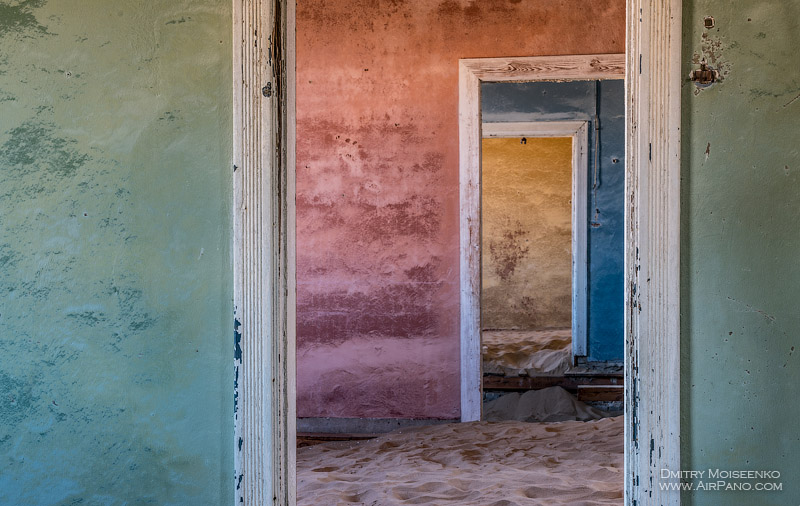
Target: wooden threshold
588, 393
315, 438
569, 382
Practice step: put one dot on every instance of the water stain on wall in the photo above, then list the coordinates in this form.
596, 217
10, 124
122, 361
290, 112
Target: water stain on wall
19, 19
507, 251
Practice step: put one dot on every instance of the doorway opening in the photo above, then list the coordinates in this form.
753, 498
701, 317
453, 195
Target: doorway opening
264, 263
546, 286
526, 254
552, 193
533, 272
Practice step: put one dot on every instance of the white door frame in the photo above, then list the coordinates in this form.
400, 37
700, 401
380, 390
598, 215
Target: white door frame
472, 72
264, 263
578, 131
652, 249
264, 244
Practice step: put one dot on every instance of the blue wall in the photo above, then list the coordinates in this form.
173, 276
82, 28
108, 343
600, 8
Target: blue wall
585, 100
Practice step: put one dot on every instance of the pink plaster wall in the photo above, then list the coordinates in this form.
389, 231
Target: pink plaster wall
377, 187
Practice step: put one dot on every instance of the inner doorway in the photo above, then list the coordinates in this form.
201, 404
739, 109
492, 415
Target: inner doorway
533, 253
551, 197
534, 266
573, 119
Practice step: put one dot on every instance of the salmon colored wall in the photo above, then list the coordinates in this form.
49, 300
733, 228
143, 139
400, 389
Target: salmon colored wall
526, 233
377, 187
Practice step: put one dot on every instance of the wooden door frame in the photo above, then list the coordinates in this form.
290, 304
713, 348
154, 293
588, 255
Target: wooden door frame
264, 289
473, 72
652, 249
263, 172
578, 131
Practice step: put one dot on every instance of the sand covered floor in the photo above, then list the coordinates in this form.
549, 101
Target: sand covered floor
526, 352
470, 464
553, 404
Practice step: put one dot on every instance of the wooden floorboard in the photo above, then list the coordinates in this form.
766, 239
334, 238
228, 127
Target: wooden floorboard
568, 382
315, 438
588, 393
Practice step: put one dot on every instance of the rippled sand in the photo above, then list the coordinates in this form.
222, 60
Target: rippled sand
471, 464
531, 352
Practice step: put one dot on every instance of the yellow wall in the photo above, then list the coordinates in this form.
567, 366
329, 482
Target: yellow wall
526, 233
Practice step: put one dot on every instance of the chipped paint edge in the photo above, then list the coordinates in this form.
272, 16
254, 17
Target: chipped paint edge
652, 250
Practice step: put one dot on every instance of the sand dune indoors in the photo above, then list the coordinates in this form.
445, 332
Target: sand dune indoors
528, 352
472, 464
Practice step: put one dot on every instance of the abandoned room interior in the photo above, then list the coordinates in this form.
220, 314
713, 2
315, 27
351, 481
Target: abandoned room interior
505, 252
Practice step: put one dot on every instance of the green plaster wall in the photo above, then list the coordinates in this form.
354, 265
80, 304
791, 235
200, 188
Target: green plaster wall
741, 246
116, 346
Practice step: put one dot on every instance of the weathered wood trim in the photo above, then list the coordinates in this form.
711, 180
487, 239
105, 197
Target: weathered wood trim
580, 240
469, 141
652, 250
471, 73
262, 258
547, 68
532, 129
579, 132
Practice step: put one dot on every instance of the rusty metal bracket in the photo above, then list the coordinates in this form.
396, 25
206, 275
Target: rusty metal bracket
704, 76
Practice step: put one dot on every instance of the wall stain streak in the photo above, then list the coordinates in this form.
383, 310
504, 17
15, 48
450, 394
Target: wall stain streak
19, 19
508, 251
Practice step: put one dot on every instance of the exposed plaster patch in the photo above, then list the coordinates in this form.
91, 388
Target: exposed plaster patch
36, 144
710, 61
